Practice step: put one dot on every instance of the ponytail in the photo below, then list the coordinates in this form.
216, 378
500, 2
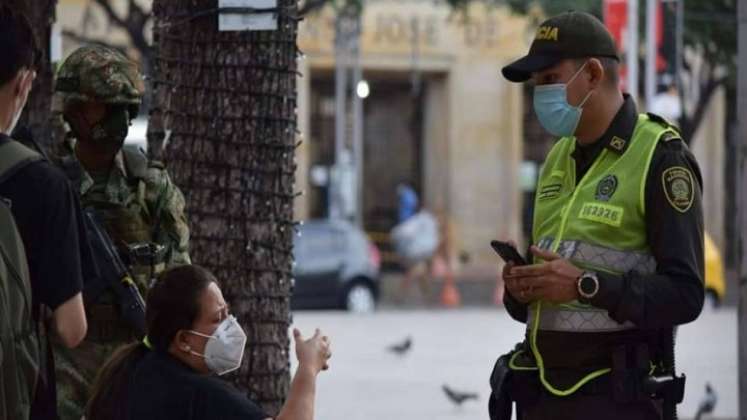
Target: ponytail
109, 398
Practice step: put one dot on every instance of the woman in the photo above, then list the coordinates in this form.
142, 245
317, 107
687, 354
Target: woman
191, 336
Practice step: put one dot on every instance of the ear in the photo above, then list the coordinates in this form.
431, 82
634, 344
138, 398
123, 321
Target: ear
23, 82
596, 72
181, 343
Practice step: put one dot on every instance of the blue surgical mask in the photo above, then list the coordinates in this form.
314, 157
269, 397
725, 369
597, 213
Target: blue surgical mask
553, 110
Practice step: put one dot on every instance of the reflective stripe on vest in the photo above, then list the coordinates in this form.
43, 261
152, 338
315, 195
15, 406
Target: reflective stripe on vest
577, 319
584, 318
601, 257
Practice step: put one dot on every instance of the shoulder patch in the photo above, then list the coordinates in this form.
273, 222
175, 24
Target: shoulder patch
678, 185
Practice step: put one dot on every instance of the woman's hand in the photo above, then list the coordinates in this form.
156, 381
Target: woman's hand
313, 353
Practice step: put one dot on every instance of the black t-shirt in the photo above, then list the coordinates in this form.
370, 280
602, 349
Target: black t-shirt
48, 217
161, 387
47, 213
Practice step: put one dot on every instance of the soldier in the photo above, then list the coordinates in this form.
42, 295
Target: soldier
98, 92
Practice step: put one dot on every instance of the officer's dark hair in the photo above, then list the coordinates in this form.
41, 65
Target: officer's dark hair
173, 304
611, 68
18, 46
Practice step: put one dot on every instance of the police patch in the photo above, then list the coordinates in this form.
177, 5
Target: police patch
678, 187
606, 188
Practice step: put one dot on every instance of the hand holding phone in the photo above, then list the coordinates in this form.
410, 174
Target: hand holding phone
512, 258
508, 252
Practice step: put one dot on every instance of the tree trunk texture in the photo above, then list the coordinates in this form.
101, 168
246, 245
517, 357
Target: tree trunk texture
229, 99
37, 114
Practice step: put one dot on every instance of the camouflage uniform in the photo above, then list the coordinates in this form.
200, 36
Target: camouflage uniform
137, 202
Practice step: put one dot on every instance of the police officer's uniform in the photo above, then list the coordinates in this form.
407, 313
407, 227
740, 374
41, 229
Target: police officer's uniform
627, 209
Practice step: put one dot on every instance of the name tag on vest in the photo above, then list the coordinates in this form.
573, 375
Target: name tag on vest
602, 213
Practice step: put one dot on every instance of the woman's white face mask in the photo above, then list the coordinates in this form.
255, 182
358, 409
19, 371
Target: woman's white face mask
225, 348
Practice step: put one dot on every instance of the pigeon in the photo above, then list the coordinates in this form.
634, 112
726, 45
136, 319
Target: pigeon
457, 397
402, 348
708, 403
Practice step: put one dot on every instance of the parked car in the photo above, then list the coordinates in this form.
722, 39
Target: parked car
337, 266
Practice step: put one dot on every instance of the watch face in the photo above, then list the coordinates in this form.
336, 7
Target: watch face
588, 285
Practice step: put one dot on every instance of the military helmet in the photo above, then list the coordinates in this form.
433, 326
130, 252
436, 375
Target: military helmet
95, 73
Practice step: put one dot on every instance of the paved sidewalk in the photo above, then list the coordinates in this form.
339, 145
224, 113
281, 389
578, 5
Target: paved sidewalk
458, 347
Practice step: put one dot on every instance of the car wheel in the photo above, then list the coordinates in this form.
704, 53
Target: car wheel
360, 298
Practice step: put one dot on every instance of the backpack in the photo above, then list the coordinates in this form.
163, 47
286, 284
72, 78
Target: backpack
20, 350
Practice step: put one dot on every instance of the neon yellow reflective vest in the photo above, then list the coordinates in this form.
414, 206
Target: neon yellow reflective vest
598, 224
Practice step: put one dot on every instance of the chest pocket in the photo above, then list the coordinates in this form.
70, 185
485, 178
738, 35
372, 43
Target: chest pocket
126, 224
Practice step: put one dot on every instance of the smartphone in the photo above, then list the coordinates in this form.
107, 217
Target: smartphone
508, 252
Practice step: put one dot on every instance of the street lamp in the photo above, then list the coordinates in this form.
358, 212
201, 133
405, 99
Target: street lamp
363, 89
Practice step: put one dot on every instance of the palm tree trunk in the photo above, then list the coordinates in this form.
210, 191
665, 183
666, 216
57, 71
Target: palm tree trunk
230, 100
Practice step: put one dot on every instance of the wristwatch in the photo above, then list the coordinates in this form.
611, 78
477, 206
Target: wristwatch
587, 286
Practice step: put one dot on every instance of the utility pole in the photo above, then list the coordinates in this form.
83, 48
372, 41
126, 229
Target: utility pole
341, 99
741, 184
650, 88
680, 54
346, 180
358, 128
632, 53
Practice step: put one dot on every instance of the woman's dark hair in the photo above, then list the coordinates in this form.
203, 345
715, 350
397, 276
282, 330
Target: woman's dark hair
172, 304
17, 43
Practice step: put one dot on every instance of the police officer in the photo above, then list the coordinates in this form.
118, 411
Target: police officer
617, 242
98, 91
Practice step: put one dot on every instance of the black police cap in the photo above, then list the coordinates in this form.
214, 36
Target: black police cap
567, 35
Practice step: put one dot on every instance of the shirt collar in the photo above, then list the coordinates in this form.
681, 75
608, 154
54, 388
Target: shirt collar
618, 134
118, 171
